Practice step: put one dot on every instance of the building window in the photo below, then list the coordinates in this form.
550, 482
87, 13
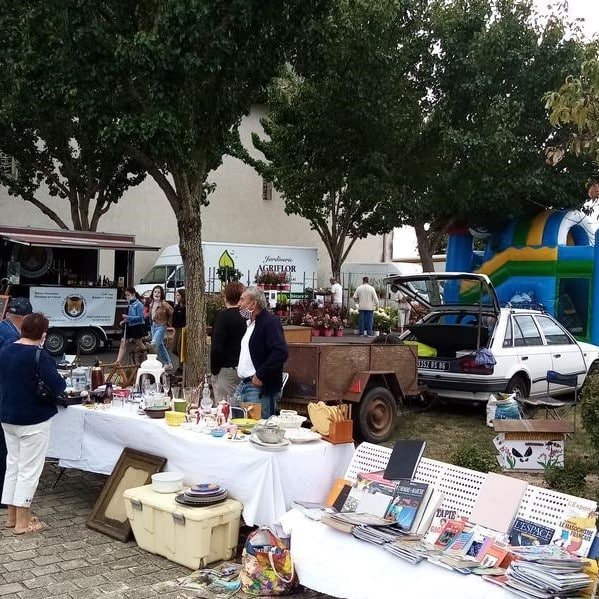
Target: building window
8, 165
266, 190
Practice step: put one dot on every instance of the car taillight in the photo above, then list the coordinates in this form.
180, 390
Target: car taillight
468, 365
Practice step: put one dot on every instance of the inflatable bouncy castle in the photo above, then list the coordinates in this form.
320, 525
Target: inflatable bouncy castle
547, 261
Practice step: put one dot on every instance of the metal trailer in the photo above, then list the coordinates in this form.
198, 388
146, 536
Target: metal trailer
375, 378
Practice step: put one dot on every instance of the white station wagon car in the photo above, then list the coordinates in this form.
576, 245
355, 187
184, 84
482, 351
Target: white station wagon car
467, 328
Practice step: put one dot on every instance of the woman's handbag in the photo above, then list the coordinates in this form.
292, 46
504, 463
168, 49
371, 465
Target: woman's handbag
43, 392
266, 565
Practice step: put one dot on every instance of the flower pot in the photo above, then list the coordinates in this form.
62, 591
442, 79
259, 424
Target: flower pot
315, 332
328, 332
339, 333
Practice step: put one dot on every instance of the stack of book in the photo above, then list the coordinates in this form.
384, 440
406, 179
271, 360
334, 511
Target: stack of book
545, 572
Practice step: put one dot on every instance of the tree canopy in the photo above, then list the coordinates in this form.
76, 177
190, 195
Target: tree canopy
178, 76
350, 98
403, 112
574, 111
41, 125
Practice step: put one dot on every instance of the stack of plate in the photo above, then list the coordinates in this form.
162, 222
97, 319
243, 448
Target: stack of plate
202, 495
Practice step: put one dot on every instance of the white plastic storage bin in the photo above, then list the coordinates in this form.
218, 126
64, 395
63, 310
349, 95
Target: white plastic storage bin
191, 536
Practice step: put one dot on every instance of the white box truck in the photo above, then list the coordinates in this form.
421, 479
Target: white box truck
300, 263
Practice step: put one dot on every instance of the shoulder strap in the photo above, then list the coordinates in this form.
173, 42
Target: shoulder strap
38, 353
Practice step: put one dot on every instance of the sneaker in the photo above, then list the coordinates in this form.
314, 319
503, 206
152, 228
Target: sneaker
364, 334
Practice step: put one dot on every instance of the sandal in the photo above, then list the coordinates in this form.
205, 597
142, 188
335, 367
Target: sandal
35, 525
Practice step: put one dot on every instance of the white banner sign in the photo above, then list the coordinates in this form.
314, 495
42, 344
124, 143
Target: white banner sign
75, 306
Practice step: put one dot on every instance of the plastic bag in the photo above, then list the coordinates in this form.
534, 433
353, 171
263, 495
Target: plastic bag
266, 565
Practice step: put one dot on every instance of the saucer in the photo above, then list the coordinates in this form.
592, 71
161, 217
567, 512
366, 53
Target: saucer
270, 446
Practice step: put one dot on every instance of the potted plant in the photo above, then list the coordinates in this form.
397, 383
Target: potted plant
338, 326
310, 320
282, 304
326, 325
282, 281
266, 279
226, 274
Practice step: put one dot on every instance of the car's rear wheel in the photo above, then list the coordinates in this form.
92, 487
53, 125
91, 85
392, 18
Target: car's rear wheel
518, 385
376, 415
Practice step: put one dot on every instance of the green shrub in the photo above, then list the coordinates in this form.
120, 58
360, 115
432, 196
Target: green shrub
589, 402
570, 479
470, 455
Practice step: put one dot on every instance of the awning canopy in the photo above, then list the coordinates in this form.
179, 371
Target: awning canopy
72, 239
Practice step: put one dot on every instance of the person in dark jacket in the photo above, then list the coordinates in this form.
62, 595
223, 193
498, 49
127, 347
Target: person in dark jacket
227, 331
263, 353
25, 419
10, 331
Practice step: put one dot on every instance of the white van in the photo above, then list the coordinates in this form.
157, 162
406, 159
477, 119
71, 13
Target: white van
300, 263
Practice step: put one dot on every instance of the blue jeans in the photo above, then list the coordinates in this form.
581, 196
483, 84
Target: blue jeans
248, 392
365, 319
158, 333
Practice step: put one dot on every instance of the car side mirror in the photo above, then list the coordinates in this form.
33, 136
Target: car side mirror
171, 284
394, 288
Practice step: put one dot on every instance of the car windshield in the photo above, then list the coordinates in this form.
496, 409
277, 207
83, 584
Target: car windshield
437, 291
157, 274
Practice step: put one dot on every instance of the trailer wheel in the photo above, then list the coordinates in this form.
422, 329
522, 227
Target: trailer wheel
376, 415
88, 341
56, 342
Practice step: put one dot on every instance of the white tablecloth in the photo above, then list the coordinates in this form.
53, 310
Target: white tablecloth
335, 563
265, 482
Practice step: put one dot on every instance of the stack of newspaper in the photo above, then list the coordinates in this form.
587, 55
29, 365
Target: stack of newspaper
410, 551
546, 571
378, 535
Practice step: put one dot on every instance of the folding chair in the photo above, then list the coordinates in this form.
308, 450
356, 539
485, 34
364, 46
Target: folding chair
555, 408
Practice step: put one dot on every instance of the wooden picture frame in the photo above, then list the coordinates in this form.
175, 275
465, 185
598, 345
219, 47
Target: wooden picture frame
4, 299
133, 469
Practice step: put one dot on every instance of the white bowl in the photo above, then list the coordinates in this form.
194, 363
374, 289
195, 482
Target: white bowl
290, 421
167, 482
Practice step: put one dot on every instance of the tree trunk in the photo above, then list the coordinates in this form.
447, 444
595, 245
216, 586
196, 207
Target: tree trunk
189, 223
424, 248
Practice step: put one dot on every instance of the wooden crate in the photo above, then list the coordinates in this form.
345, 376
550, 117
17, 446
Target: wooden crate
297, 334
531, 445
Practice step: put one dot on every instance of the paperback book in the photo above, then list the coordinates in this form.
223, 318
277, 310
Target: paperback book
440, 519
409, 497
449, 532
525, 532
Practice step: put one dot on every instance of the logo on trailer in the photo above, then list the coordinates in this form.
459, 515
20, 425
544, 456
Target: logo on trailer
74, 307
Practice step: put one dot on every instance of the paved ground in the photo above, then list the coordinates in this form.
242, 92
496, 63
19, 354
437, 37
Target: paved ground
70, 561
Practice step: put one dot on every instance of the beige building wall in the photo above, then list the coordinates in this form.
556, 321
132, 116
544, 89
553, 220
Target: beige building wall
237, 213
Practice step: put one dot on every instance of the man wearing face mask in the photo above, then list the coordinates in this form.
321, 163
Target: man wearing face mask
263, 353
10, 331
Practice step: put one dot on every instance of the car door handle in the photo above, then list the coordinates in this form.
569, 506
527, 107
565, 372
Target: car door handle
524, 357
557, 356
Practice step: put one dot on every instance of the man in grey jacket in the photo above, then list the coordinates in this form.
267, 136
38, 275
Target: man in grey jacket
366, 298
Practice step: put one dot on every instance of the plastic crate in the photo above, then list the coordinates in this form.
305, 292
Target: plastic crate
190, 536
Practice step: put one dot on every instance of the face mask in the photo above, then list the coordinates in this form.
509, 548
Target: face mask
246, 313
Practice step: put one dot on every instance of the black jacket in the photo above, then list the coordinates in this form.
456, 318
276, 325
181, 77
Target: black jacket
268, 351
228, 329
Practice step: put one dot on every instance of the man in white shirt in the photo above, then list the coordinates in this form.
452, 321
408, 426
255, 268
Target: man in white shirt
336, 293
366, 298
263, 353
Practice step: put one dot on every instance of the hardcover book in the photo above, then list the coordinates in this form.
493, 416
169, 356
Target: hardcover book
525, 532
404, 507
404, 459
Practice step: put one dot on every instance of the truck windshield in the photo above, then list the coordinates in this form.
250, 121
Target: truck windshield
157, 274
